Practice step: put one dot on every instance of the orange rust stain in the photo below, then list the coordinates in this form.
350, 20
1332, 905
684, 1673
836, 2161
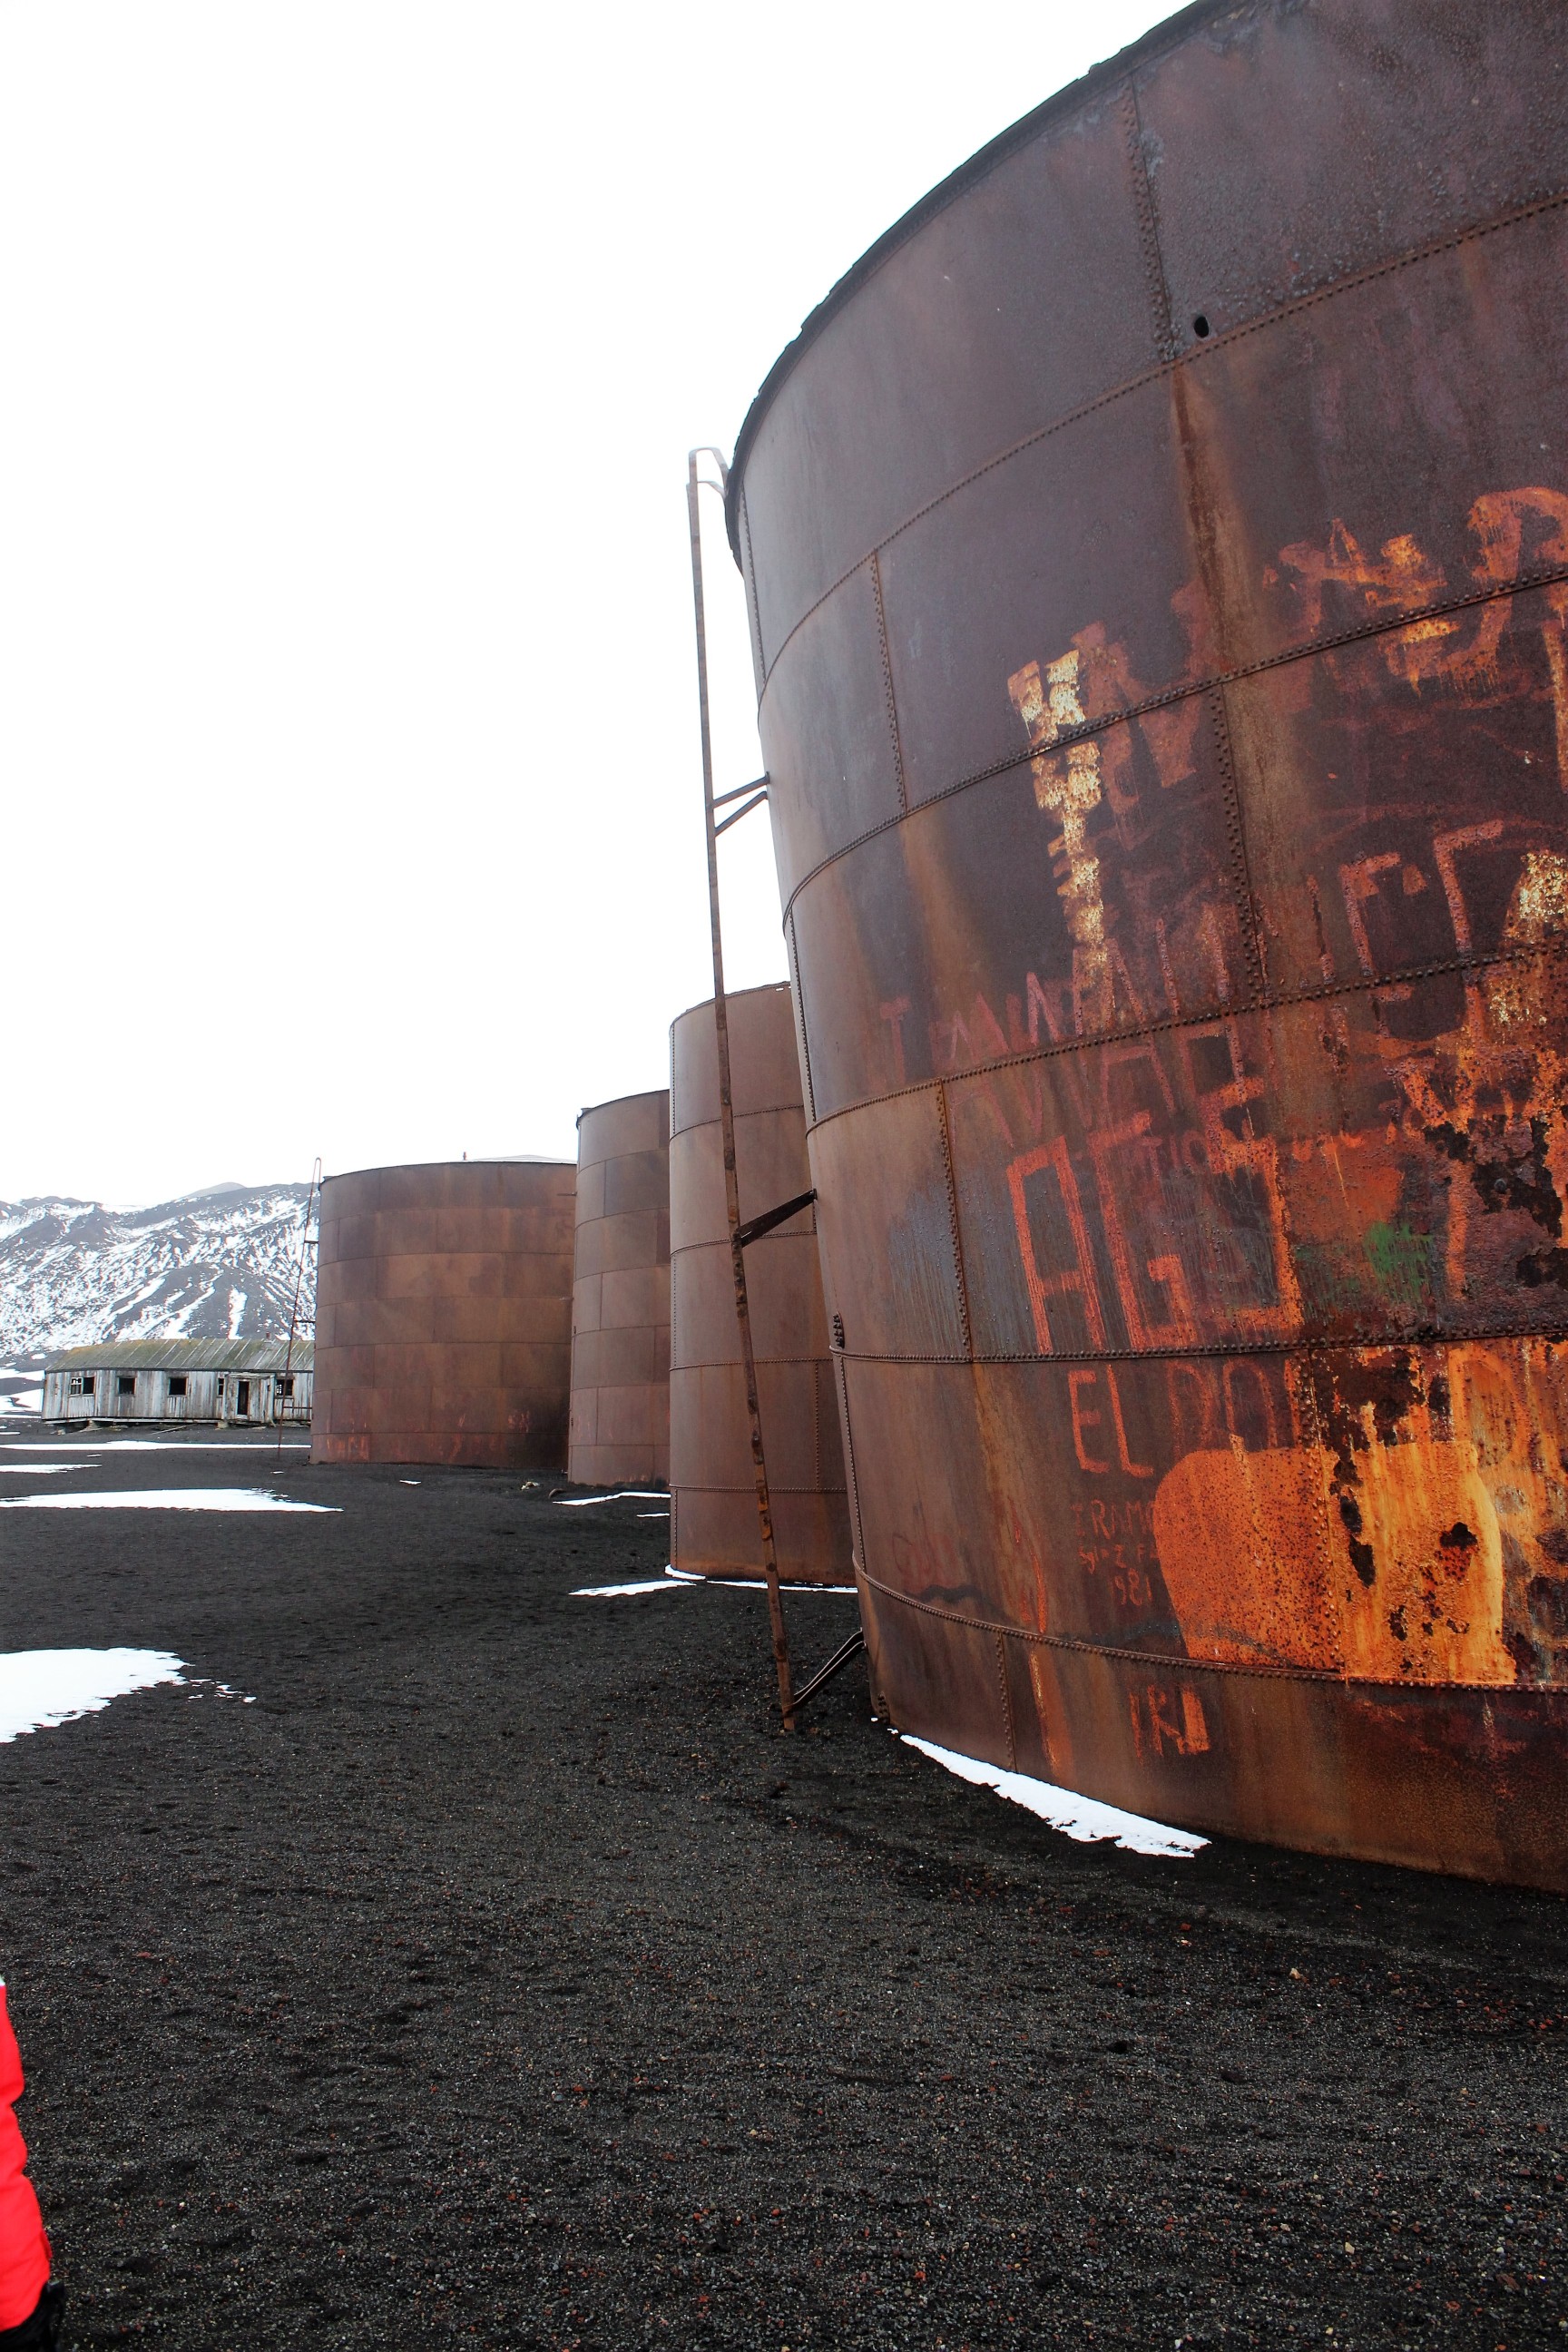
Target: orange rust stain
1337, 1188
1054, 1722
1240, 1545
1399, 1579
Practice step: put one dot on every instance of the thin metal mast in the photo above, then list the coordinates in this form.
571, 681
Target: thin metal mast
727, 1112
298, 1285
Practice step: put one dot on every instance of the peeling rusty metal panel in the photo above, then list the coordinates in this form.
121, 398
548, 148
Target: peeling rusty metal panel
1158, 557
714, 1503
620, 1299
443, 1315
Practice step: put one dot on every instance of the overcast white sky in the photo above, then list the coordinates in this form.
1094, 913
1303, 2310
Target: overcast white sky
353, 349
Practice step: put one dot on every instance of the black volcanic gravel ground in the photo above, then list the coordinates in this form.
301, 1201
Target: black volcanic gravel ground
501, 1976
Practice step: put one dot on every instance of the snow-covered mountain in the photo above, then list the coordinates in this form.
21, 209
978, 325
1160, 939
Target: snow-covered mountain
214, 1265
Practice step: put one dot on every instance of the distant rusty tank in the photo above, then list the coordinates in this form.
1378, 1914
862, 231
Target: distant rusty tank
620, 1299
443, 1315
714, 1497
1157, 552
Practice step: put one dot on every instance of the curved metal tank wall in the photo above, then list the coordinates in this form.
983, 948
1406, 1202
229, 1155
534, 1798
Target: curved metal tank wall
1158, 561
443, 1315
713, 1497
620, 1296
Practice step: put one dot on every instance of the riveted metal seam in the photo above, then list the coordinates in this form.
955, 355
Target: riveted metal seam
802, 1034
753, 602
755, 1110
852, 1485
1321, 992
780, 1233
731, 1363
1159, 292
1307, 1344
888, 684
955, 1235
1179, 1661
674, 1339
1256, 981
775, 1487
1194, 356
1494, 592
1007, 1703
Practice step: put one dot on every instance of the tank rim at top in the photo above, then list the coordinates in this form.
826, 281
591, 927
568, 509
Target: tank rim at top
614, 1102
1062, 102
474, 1160
732, 996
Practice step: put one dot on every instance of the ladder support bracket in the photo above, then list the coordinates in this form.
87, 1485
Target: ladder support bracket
755, 1227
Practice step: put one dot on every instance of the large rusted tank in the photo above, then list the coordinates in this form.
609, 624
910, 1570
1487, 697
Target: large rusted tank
714, 1527
620, 1299
1157, 549
444, 1315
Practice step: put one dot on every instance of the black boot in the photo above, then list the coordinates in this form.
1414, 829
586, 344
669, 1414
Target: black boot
40, 2331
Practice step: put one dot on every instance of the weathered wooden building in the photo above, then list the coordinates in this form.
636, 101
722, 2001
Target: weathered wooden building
208, 1380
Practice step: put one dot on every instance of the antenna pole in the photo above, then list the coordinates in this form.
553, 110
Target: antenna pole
298, 1285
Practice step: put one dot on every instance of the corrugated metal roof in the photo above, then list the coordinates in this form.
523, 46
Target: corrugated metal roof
186, 1356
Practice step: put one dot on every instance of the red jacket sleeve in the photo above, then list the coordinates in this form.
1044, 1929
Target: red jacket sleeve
24, 2246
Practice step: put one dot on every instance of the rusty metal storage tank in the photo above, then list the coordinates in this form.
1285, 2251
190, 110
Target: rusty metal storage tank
443, 1315
620, 1299
713, 1505
1157, 555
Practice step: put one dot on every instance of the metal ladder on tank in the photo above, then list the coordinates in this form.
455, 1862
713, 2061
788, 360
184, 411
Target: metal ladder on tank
748, 797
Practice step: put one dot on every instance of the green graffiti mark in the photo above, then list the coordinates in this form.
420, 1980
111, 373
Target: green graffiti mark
1403, 1263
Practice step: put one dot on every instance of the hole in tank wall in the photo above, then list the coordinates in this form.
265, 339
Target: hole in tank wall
1201, 326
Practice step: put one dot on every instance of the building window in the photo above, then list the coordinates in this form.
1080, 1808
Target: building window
286, 1387
83, 1383
127, 1384
176, 1384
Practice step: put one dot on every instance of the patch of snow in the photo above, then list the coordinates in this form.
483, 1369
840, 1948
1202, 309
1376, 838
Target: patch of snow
752, 1583
151, 1446
621, 1494
166, 1499
619, 1592
38, 1469
40, 1688
238, 1300
1083, 1818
